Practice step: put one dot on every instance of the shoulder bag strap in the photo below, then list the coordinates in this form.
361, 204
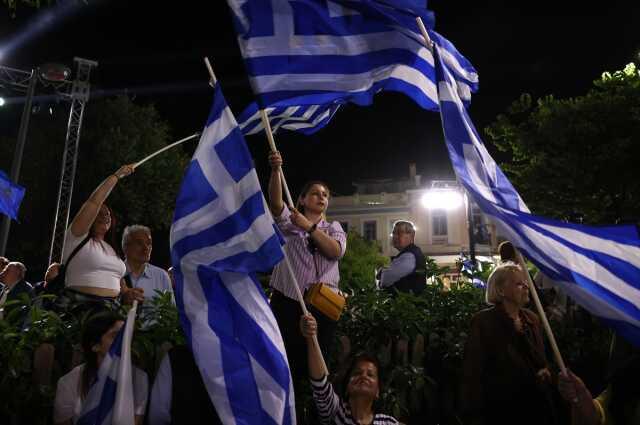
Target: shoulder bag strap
75, 251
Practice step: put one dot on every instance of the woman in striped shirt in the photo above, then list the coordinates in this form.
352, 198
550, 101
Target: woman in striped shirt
313, 247
362, 387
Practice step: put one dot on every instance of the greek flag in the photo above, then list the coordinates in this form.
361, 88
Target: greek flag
599, 267
325, 52
222, 234
110, 398
306, 119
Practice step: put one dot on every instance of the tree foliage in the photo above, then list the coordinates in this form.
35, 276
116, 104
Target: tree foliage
114, 132
577, 156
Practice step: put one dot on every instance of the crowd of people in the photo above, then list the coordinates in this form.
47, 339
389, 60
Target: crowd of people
506, 375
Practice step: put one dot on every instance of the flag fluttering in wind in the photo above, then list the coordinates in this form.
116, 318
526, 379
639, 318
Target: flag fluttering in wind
599, 267
11, 195
110, 399
326, 53
222, 234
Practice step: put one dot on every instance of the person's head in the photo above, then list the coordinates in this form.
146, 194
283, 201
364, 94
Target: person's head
403, 235
3, 262
171, 277
313, 198
98, 334
507, 284
137, 243
13, 273
363, 378
507, 251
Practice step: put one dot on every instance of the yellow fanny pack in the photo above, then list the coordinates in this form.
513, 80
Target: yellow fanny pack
325, 300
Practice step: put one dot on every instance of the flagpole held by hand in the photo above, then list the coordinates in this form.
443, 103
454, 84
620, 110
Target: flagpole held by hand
142, 161
272, 144
541, 313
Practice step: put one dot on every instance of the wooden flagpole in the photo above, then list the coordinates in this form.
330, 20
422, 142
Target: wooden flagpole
541, 313
272, 143
532, 289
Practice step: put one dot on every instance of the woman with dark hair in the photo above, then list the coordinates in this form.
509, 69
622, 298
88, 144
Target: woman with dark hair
361, 388
505, 374
98, 334
94, 275
313, 247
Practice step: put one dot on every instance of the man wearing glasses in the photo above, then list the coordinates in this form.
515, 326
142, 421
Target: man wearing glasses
407, 272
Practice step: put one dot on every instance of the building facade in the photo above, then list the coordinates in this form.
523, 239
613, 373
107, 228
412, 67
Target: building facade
437, 208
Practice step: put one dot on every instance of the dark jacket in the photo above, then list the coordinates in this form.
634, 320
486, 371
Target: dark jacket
22, 287
417, 279
499, 373
190, 402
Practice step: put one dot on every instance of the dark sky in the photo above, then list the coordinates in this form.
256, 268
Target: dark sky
154, 49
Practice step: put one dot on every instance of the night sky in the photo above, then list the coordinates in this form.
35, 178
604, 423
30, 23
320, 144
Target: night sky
154, 51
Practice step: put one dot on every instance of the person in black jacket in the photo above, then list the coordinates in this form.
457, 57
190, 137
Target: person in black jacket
407, 272
14, 285
179, 396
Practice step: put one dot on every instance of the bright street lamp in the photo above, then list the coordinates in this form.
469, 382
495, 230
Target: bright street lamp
2, 102
442, 199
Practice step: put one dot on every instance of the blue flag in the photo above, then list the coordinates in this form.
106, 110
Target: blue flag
599, 267
222, 234
323, 53
11, 196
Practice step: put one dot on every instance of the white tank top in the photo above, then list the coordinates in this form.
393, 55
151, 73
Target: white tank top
95, 265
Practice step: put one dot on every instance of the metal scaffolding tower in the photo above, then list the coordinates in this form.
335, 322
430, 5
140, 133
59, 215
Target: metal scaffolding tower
79, 96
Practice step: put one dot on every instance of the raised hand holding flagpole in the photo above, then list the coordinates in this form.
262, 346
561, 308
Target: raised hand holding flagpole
291, 205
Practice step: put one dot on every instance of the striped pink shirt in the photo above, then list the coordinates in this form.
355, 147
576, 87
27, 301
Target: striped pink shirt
309, 268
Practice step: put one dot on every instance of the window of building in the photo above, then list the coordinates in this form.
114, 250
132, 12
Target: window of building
439, 222
369, 230
480, 230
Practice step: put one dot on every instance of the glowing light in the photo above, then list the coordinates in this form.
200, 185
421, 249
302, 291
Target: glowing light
444, 199
2, 101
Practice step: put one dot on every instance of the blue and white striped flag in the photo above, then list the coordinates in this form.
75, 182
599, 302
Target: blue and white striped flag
110, 398
222, 234
599, 267
324, 52
306, 119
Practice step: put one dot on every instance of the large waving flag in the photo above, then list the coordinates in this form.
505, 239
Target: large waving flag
222, 233
11, 196
306, 119
110, 398
326, 52
599, 267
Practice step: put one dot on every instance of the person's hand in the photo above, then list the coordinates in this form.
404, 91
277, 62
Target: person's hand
129, 295
275, 160
308, 326
570, 386
300, 220
52, 272
124, 171
544, 376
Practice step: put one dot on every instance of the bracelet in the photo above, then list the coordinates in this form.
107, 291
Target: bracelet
312, 228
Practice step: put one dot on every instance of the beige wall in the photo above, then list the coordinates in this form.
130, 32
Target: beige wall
386, 208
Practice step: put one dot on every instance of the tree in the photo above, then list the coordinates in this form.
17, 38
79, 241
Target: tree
577, 157
114, 132
357, 267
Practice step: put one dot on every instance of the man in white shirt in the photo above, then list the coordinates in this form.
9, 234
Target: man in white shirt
407, 271
137, 246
